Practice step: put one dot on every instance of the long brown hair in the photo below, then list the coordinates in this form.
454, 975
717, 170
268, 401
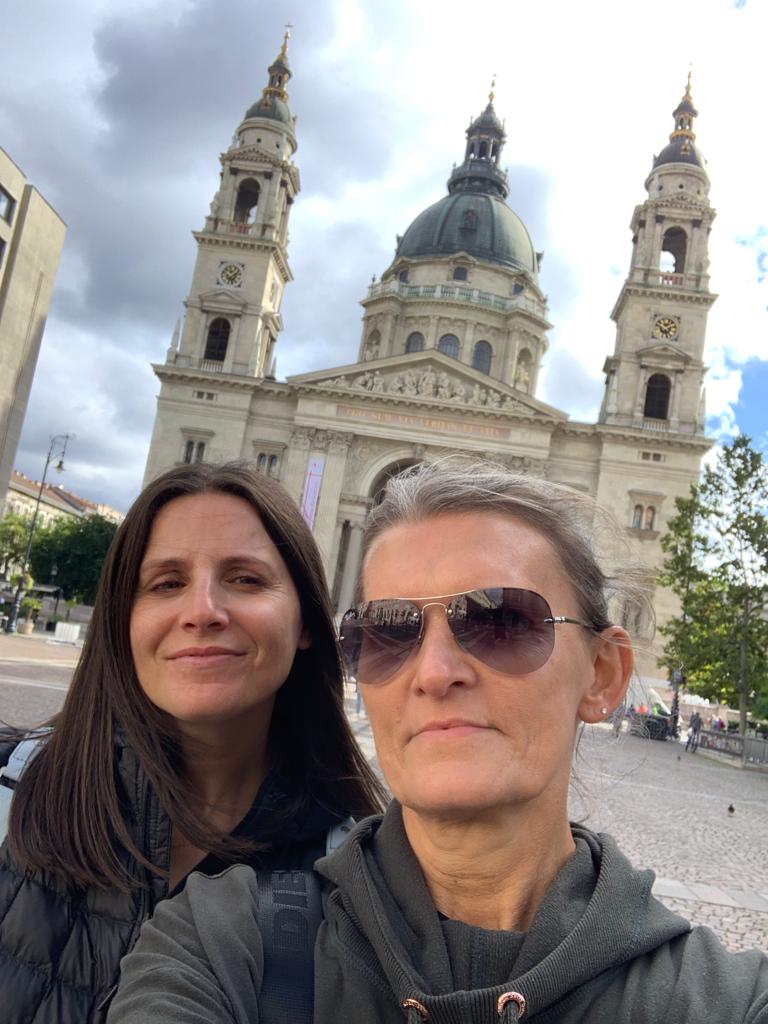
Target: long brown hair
66, 813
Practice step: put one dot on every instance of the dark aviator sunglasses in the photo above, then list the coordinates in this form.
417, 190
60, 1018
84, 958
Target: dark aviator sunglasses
510, 630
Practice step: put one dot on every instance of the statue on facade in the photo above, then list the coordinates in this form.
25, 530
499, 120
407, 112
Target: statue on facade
427, 383
523, 377
494, 399
478, 396
371, 349
410, 384
365, 380
378, 383
396, 385
443, 385
458, 392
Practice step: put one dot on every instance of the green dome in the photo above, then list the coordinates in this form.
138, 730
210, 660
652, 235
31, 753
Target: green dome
272, 108
480, 224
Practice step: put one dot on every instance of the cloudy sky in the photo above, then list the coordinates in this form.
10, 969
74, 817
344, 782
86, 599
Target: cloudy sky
118, 112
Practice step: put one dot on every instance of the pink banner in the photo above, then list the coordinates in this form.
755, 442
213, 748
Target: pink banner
311, 495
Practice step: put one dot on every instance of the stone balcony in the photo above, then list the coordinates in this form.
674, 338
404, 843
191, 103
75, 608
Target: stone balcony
668, 279
456, 293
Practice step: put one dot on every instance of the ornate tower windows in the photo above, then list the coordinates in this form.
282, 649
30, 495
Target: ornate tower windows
194, 451
415, 342
449, 345
657, 392
673, 249
216, 342
402, 277
247, 200
460, 273
481, 357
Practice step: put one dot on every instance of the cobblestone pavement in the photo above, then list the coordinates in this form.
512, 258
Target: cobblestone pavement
34, 675
668, 810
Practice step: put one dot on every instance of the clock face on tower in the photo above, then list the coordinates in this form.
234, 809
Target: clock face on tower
231, 274
665, 327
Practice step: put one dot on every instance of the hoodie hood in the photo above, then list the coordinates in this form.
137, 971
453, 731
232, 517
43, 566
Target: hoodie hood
598, 914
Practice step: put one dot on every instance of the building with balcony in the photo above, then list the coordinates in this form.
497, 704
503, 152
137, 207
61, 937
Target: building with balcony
453, 338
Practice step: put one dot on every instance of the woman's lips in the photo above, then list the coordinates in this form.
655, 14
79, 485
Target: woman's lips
204, 656
450, 729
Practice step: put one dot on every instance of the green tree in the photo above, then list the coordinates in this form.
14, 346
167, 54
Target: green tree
14, 530
77, 548
717, 565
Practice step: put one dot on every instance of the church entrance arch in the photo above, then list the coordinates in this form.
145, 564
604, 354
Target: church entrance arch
351, 533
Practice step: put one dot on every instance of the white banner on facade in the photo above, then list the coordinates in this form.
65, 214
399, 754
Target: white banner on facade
311, 495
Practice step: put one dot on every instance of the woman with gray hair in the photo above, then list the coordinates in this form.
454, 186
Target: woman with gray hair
482, 640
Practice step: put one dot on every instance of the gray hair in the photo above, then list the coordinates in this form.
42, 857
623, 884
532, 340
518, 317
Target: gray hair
581, 533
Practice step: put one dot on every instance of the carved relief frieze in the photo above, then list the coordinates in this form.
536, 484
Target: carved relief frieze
429, 383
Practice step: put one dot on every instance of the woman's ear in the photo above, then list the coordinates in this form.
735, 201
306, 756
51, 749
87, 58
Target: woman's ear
305, 640
612, 663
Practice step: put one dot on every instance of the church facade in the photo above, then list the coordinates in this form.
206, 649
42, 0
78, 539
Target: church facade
454, 333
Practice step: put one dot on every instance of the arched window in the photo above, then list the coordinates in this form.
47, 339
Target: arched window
415, 342
459, 273
449, 344
403, 277
657, 396
650, 518
673, 250
261, 463
272, 467
637, 517
247, 201
481, 357
216, 343
483, 150
189, 451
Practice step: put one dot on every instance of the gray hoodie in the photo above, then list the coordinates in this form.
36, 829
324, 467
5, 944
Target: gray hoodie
600, 949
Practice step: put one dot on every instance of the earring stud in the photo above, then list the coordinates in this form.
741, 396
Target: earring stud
603, 711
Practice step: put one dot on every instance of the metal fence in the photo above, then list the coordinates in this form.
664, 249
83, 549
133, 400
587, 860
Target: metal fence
749, 749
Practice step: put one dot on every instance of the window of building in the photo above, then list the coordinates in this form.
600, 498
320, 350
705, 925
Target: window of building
459, 273
7, 205
637, 517
218, 337
481, 357
2, 250
415, 342
247, 201
449, 345
403, 276
673, 249
267, 463
657, 393
650, 518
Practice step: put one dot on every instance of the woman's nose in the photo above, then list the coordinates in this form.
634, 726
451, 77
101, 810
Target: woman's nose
204, 605
440, 662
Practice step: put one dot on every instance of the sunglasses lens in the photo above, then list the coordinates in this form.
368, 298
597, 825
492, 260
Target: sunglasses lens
505, 628
377, 638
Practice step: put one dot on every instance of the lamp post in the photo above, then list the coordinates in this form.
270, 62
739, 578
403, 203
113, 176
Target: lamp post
56, 449
57, 591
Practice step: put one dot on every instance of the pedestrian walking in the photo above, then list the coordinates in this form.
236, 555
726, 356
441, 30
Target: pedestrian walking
694, 732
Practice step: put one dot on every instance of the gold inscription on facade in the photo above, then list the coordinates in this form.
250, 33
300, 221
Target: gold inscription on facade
395, 419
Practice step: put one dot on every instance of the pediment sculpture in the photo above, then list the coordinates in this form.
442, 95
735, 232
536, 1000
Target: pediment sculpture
428, 383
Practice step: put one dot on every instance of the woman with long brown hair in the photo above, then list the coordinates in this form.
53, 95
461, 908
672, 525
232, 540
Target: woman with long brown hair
204, 725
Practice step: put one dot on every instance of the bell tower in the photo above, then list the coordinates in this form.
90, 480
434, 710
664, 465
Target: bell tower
232, 315
654, 379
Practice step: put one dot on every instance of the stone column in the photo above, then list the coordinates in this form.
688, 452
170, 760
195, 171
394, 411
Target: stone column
351, 567
431, 339
295, 465
674, 399
337, 445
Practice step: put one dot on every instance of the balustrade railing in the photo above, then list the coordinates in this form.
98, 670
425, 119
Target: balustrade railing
454, 293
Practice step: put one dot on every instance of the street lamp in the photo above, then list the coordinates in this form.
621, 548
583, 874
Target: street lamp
56, 450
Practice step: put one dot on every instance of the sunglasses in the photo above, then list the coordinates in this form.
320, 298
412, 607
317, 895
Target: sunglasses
510, 630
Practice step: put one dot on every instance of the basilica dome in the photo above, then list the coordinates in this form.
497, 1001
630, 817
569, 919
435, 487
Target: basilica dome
271, 107
473, 222
474, 217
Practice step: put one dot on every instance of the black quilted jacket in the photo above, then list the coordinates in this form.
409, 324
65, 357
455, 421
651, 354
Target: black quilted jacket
60, 949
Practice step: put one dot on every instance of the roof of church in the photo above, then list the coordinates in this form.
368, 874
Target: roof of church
473, 217
271, 107
472, 222
681, 148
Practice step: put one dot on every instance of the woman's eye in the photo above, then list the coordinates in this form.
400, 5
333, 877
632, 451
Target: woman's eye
162, 585
248, 580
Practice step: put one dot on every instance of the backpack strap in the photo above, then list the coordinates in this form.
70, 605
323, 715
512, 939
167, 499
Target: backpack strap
289, 913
